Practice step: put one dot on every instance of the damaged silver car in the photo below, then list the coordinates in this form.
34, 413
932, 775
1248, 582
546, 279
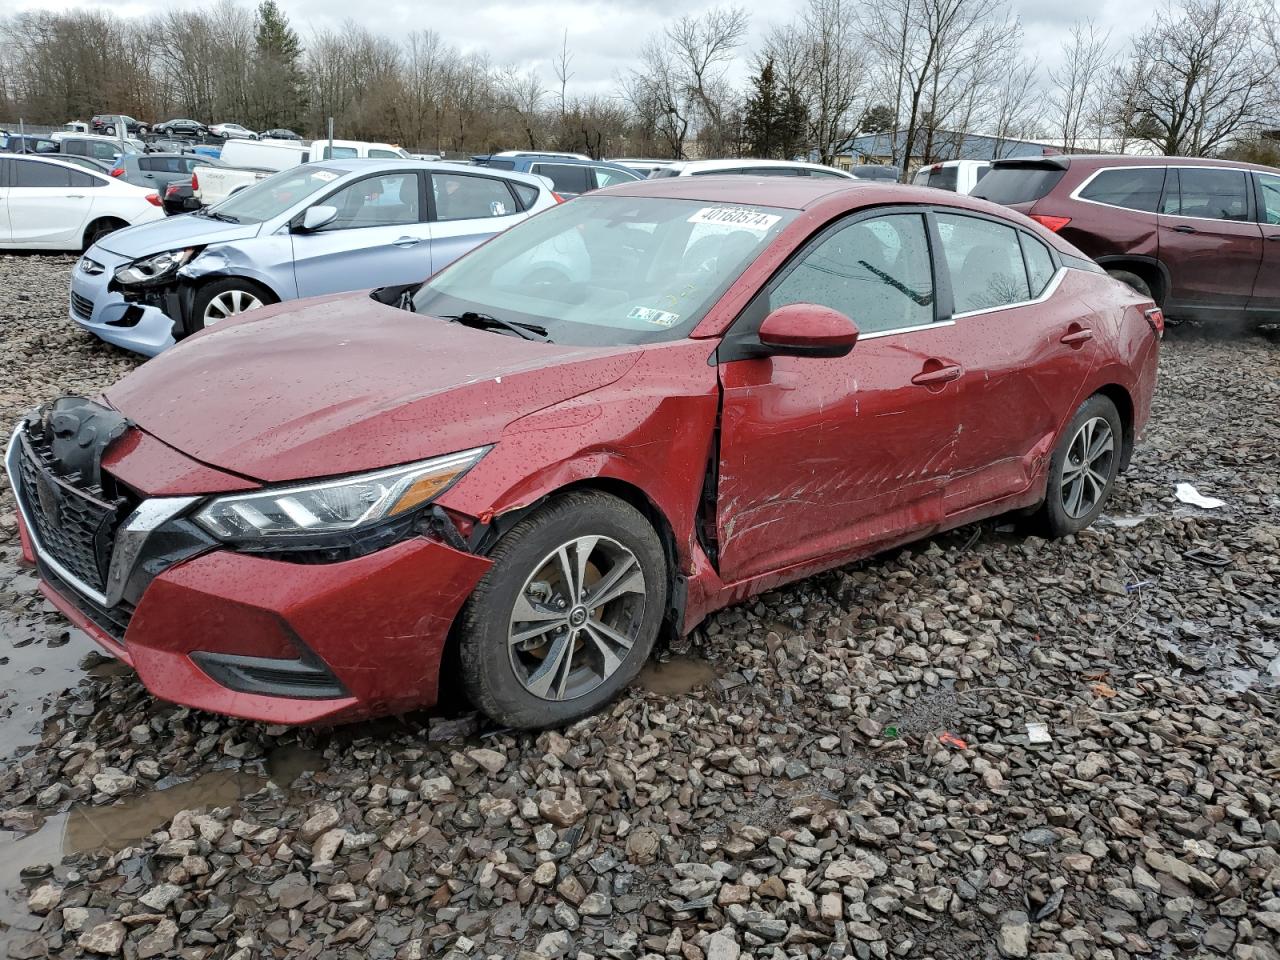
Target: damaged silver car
314, 229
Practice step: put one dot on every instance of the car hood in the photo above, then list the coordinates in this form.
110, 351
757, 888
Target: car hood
173, 233
343, 384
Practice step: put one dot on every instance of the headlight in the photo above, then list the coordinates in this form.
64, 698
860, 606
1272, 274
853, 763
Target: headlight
154, 268
317, 511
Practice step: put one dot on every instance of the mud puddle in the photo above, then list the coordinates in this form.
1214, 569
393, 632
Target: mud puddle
677, 676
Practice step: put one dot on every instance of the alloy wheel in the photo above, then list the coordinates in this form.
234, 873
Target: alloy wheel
576, 618
1087, 468
228, 304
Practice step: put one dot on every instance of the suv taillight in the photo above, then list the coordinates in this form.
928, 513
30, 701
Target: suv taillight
118, 172
195, 183
1052, 223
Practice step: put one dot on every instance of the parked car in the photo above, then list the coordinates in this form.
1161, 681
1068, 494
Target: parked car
232, 131
278, 133
49, 204
1200, 237
958, 176
570, 175
27, 143
539, 457
876, 171
100, 148
181, 128
314, 229
750, 168
179, 198
107, 125
644, 167
158, 170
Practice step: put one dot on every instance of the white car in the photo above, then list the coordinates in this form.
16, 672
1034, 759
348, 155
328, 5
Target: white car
50, 204
232, 131
750, 168
958, 176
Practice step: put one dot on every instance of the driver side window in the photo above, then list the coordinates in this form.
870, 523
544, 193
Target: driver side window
877, 272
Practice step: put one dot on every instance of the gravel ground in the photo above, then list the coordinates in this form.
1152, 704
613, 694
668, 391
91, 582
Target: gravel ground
859, 772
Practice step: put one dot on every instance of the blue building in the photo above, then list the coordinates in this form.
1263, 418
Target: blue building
946, 145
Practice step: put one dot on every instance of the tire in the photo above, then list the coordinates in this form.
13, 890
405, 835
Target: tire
99, 229
142, 131
1073, 499
110, 130
1133, 280
564, 668
225, 298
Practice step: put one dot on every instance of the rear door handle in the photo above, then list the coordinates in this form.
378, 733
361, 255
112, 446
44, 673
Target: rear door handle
407, 241
929, 378
1184, 228
1077, 337
75, 196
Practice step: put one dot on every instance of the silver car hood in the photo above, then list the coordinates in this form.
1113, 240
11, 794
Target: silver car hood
173, 233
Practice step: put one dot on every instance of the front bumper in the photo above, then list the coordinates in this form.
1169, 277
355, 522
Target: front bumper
267, 639
107, 315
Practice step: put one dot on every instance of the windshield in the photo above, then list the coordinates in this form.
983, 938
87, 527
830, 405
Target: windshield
277, 193
608, 270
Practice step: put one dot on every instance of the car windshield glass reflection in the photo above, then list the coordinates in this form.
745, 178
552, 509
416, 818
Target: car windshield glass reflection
608, 270
276, 194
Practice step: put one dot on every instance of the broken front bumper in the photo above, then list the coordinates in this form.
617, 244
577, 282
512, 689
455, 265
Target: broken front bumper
141, 327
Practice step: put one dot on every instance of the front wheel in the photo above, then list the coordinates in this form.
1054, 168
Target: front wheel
568, 613
216, 301
1083, 469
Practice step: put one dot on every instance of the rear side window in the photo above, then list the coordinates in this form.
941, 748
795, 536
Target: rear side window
1136, 188
1024, 184
29, 174
566, 177
876, 272
1269, 186
526, 194
607, 177
985, 262
462, 197
163, 164
1209, 194
1040, 268
78, 178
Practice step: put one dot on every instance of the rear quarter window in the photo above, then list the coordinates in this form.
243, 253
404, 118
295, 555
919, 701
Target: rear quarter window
1018, 184
1134, 189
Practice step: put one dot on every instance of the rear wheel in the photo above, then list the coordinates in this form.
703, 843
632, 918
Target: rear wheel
216, 301
1133, 280
1083, 468
567, 615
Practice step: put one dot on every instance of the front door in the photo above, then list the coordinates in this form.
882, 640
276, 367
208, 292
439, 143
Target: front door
1208, 239
822, 457
379, 238
1266, 291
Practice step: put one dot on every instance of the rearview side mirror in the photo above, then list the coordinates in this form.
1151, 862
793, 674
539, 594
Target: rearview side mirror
808, 330
316, 217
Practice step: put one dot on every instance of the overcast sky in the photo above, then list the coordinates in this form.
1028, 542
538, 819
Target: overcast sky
603, 34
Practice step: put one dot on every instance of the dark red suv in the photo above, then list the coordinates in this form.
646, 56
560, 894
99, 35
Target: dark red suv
1201, 237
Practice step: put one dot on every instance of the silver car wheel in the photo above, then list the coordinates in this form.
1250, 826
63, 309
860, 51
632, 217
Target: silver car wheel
228, 304
1086, 471
576, 618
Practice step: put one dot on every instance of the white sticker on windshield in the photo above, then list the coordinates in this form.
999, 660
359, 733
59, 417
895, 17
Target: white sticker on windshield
651, 315
324, 176
736, 217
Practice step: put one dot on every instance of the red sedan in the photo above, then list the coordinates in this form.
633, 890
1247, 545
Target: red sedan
613, 419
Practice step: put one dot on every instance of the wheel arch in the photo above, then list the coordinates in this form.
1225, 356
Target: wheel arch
1150, 269
1123, 401
93, 224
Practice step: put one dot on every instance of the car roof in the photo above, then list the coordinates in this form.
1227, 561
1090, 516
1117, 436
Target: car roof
791, 193
371, 164
1092, 161
729, 163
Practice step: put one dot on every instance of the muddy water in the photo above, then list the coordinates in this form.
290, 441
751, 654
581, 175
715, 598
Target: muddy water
677, 676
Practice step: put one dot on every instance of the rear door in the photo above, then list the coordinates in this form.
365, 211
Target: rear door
379, 238
467, 209
822, 457
1266, 291
49, 204
1209, 239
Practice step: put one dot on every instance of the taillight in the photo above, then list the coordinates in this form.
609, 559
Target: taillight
1155, 317
1053, 223
118, 172
154, 200
170, 190
195, 182
558, 198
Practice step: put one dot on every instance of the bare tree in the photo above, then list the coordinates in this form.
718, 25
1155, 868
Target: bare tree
1200, 77
524, 94
1085, 60
561, 69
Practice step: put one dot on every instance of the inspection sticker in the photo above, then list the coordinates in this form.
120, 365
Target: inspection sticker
736, 217
650, 315
324, 176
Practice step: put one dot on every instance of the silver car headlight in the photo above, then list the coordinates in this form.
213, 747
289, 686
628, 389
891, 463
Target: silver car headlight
155, 268
320, 512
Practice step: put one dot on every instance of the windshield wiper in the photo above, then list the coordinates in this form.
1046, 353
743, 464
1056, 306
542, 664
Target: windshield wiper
484, 321
215, 215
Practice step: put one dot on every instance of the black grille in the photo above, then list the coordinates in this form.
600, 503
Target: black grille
113, 621
82, 307
75, 527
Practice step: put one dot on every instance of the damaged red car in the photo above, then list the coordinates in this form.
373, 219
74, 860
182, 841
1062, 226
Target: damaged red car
607, 422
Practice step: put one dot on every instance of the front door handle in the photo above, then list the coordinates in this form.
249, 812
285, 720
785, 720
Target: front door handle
75, 196
407, 241
1074, 338
937, 375
1184, 228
